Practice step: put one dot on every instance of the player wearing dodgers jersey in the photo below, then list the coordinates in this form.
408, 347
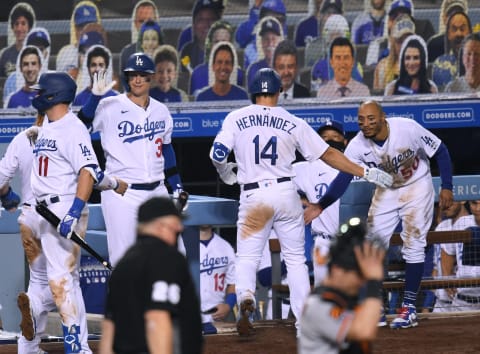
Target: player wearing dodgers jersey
135, 132
64, 170
217, 278
313, 179
402, 148
465, 256
264, 138
38, 300
454, 220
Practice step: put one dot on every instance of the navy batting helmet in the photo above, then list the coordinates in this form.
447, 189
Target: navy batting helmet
140, 63
53, 87
266, 80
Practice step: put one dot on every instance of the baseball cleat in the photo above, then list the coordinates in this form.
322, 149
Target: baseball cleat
382, 322
406, 318
244, 324
28, 322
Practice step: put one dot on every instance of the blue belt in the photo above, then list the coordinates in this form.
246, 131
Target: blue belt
145, 186
255, 185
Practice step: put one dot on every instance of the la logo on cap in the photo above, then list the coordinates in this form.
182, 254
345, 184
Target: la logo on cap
86, 12
139, 61
264, 85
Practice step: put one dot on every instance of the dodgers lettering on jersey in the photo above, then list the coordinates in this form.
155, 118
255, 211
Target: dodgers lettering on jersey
133, 137
131, 131
217, 270
62, 149
209, 264
264, 140
405, 154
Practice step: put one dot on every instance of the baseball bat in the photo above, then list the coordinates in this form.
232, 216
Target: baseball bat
54, 220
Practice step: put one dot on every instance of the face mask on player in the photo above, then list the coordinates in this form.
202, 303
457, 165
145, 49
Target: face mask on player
336, 145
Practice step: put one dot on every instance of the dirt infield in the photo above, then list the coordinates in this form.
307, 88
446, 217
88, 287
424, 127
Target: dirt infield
452, 335
433, 335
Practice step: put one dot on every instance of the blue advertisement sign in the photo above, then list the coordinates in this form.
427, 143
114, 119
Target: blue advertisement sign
200, 120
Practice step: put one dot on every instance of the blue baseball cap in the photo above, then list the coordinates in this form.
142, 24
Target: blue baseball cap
88, 39
85, 14
405, 6
336, 5
270, 25
274, 5
38, 38
331, 124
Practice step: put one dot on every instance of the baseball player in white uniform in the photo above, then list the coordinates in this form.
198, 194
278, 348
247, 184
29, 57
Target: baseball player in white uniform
38, 301
454, 220
217, 278
402, 148
135, 132
312, 180
465, 256
264, 138
64, 170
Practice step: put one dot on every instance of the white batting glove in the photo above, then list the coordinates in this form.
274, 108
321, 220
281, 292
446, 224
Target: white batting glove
100, 85
378, 177
227, 174
32, 134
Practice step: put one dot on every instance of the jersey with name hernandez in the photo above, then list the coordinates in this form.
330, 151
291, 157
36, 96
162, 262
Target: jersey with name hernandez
264, 140
133, 137
404, 155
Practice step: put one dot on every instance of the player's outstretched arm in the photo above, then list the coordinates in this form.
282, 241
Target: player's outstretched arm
374, 175
339, 161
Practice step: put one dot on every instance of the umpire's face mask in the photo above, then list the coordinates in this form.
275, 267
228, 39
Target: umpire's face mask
339, 145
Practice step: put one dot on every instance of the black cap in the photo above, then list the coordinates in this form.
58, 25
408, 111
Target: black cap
351, 233
157, 207
215, 5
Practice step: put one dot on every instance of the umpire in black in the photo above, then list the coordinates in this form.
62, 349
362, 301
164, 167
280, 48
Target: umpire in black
152, 306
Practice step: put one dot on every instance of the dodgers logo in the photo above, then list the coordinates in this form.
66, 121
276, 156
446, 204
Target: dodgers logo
139, 61
132, 132
320, 188
44, 144
209, 264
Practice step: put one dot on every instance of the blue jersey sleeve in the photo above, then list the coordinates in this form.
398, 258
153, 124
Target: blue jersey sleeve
445, 166
338, 186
